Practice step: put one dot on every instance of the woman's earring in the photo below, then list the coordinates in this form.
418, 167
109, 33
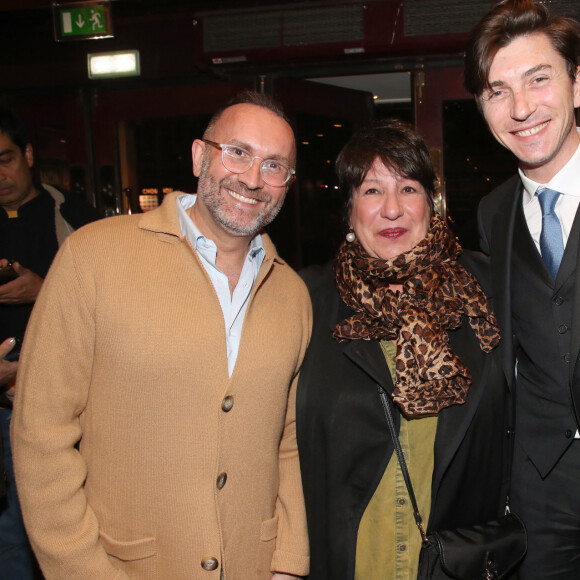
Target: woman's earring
350, 237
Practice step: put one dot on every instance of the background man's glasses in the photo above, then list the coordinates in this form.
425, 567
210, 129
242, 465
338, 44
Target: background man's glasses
238, 160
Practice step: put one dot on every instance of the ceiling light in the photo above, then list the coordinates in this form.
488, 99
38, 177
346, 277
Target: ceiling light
105, 65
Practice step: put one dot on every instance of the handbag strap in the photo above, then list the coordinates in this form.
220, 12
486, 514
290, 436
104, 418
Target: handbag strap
402, 462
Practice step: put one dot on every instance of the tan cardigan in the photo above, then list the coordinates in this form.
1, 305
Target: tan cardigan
125, 351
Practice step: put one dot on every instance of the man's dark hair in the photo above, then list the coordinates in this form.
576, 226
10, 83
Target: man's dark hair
398, 146
508, 20
248, 97
11, 125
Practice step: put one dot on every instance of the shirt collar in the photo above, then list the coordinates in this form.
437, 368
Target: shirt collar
186, 201
566, 181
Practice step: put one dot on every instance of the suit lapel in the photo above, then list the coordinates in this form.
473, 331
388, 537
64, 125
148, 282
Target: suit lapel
501, 252
367, 355
570, 257
455, 420
571, 265
525, 252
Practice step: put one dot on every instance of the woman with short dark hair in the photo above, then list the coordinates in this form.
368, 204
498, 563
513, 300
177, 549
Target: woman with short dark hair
401, 309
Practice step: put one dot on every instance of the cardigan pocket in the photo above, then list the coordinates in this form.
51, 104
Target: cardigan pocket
266, 547
137, 558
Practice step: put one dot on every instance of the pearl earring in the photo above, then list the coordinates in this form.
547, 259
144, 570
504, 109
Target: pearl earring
350, 237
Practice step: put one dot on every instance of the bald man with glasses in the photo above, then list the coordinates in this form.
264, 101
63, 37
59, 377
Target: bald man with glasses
154, 430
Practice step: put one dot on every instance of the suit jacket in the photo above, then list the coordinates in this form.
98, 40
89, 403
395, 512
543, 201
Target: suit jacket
345, 445
178, 462
497, 217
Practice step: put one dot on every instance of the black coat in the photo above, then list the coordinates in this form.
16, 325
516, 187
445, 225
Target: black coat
345, 446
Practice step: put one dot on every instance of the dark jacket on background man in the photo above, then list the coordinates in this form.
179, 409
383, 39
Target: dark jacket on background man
32, 239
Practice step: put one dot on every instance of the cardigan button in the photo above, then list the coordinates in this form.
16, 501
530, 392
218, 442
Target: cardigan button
221, 480
209, 564
227, 404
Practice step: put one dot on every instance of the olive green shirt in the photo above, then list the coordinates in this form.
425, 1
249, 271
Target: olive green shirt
388, 541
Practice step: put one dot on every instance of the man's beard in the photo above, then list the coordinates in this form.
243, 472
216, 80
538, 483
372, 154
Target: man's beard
234, 221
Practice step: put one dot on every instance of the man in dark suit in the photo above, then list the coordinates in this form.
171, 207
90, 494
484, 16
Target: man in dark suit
522, 67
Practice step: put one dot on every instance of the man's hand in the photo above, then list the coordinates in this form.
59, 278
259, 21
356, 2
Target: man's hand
24, 289
285, 577
7, 369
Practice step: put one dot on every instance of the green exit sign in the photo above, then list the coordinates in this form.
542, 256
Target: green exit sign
82, 20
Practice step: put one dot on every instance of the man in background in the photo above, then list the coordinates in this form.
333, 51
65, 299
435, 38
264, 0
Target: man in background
34, 220
522, 67
154, 427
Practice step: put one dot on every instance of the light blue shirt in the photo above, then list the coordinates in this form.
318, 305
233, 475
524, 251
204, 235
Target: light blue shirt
234, 305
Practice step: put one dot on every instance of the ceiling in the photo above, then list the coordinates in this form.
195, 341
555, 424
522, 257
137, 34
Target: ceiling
10, 5
14, 5
29, 37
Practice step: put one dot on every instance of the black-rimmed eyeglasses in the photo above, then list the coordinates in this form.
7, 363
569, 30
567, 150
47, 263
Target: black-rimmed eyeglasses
237, 160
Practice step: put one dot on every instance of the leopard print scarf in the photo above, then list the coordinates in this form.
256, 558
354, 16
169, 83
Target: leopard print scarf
436, 292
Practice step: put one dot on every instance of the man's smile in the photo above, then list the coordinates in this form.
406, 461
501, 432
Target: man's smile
242, 198
531, 131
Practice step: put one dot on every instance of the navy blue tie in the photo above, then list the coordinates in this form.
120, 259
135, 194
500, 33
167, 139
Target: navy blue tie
551, 244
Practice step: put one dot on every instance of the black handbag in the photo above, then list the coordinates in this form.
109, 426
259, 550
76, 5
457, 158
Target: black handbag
487, 551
